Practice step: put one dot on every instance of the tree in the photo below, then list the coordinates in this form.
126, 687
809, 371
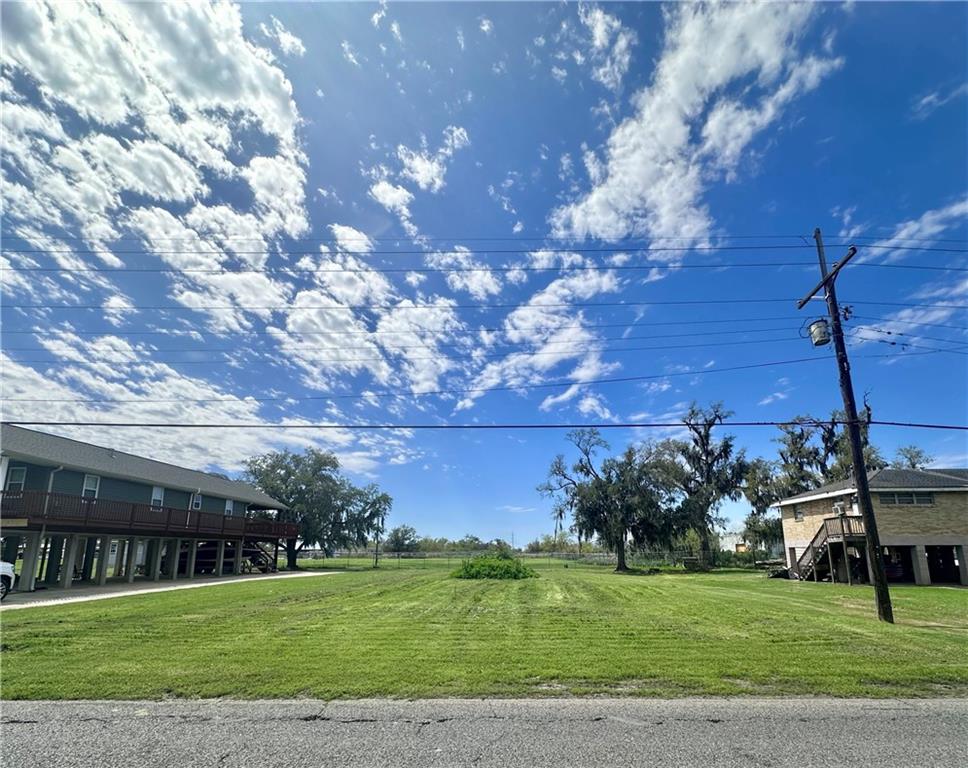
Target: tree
328, 509
835, 460
800, 462
470, 543
760, 485
617, 501
707, 471
813, 452
761, 489
911, 457
403, 538
761, 530
368, 508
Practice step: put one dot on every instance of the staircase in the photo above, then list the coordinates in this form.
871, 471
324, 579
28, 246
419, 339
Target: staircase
260, 557
814, 563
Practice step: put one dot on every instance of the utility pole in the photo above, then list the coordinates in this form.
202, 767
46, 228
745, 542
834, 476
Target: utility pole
882, 595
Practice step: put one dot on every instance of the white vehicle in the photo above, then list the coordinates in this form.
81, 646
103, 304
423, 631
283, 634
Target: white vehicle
7, 578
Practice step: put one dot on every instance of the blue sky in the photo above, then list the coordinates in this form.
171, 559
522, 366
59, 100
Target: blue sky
283, 212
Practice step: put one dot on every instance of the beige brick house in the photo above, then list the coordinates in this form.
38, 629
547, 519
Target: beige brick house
922, 520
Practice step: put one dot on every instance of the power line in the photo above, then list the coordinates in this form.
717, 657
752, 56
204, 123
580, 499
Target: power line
497, 329
454, 391
912, 346
584, 347
488, 251
909, 322
458, 270
488, 238
492, 329
916, 337
356, 307
407, 393
475, 427
461, 346
509, 347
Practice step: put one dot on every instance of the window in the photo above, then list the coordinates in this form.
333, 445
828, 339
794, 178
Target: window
196, 502
16, 477
797, 512
229, 507
91, 485
157, 496
907, 499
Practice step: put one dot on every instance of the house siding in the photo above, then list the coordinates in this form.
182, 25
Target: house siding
799, 533
177, 499
213, 504
948, 516
68, 481
125, 490
34, 480
71, 482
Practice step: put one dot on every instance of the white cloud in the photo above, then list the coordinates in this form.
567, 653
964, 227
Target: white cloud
656, 171
486, 25
288, 43
559, 74
924, 106
552, 335
278, 184
185, 122
349, 53
773, 398
428, 169
395, 30
479, 283
922, 230
927, 227
849, 227
156, 392
397, 200
594, 405
351, 240
460, 38
377, 17
612, 44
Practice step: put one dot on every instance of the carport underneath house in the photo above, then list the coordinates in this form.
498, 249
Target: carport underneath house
75, 512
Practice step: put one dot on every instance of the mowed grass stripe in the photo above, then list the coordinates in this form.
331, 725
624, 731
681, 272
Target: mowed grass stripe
412, 631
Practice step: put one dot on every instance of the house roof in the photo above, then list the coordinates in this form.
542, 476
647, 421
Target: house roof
890, 479
30, 445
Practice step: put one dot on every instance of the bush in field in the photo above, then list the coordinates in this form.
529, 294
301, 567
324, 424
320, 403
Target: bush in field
500, 566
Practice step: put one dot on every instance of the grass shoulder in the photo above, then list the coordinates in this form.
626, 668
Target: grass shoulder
413, 632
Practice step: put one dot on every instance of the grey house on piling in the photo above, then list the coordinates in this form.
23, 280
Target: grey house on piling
75, 512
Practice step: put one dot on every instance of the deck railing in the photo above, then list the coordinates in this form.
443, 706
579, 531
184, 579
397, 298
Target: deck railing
834, 528
67, 509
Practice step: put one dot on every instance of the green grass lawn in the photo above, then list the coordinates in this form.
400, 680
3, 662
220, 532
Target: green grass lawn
414, 632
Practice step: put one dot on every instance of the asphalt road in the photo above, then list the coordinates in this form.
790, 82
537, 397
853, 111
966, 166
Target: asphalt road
526, 732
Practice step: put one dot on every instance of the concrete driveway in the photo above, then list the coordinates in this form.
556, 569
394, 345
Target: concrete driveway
600, 733
49, 597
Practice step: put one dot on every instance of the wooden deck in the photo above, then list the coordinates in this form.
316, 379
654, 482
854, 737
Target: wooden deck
32, 510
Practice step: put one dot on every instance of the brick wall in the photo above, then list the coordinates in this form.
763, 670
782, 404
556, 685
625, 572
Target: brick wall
947, 516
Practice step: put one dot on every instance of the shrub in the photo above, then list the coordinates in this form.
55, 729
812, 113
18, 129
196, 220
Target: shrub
501, 566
